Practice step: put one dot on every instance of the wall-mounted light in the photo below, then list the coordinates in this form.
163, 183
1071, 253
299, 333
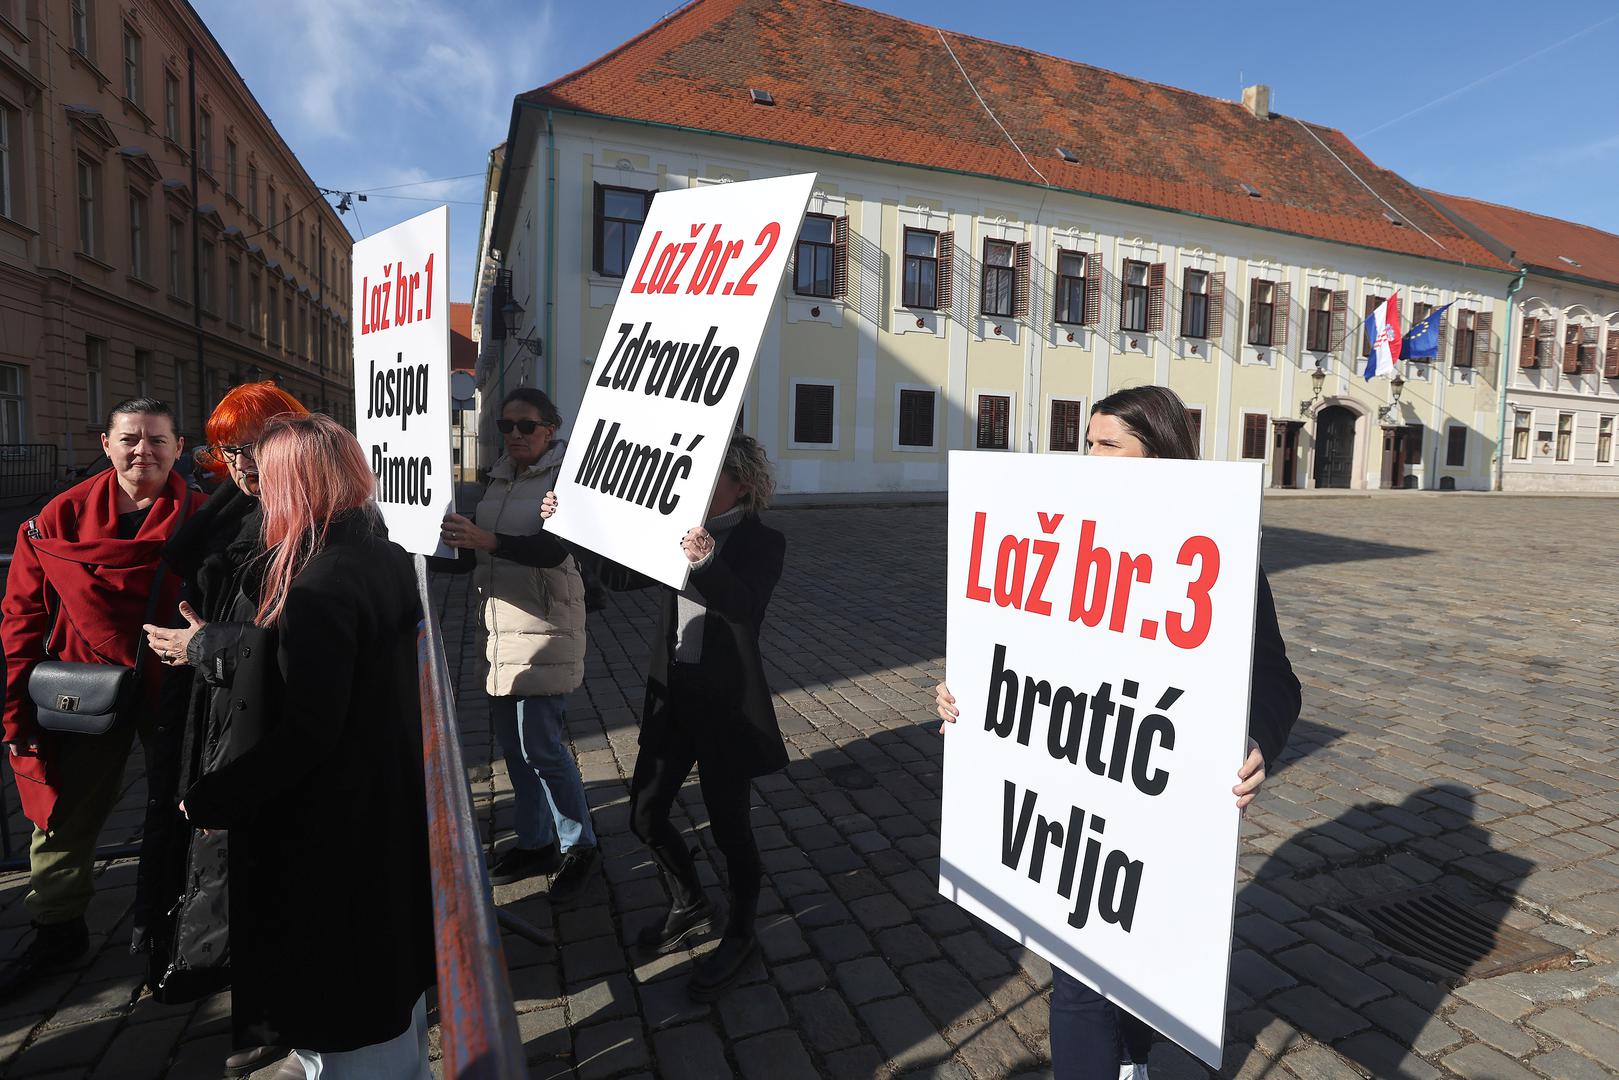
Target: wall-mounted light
1070, 335
919, 323
1318, 380
997, 329
815, 312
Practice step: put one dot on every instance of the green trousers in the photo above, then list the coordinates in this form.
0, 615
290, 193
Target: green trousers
89, 776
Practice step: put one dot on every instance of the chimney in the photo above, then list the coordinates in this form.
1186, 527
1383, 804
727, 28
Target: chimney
1256, 99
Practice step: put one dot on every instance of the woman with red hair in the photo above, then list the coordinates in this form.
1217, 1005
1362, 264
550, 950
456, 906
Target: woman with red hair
181, 924
330, 901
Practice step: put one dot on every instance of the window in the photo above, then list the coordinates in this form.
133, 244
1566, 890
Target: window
205, 286
95, 366
11, 400
1588, 350
1133, 302
303, 328
997, 279
813, 419
994, 422
812, 266
921, 268
1067, 426
230, 167
79, 25
89, 192
620, 213
1462, 354
1253, 435
272, 326
8, 126
1070, 299
143, 373
205, 141
287, 341
171, 106
1456, 446
1521, 422
1373, 303
253, 190
179, 401
1194, 417
233, 290
1318, 331
269, 206
1419, 311
303, 251
1565, 435
138, 218
916, 409
1195, 304
132, 66
177, 258
1604, 440
1261, 311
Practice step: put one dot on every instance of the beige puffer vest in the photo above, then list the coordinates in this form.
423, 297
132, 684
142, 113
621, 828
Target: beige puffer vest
534, 620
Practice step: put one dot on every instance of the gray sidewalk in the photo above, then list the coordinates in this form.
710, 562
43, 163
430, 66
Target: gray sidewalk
1460, 673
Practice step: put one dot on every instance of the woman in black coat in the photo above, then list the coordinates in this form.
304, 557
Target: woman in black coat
330, 898
1091, 1038
708, 704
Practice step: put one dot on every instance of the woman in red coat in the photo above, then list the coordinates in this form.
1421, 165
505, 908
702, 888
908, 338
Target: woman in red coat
78, 590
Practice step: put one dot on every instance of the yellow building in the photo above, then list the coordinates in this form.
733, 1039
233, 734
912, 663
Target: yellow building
998, 238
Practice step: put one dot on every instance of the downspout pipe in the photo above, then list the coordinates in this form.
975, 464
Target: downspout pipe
1508, 366
548, 343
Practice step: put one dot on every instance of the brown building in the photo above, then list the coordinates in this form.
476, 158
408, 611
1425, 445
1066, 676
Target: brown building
119, 275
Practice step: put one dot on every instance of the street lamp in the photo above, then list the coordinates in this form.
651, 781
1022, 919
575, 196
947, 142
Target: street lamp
1318, 379
1390, 414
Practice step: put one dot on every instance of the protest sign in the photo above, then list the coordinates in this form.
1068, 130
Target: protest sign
1099, 644
402, 375
657, 415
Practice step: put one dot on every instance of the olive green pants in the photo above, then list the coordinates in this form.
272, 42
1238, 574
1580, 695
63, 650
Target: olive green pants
88, 771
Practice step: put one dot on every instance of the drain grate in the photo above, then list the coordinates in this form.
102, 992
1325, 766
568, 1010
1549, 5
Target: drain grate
851, 776
1445, 932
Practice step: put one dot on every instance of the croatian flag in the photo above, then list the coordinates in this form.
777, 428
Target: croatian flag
1383, 331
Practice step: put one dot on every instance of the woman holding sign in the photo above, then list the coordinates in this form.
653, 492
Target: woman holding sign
708, 705
1091, 1038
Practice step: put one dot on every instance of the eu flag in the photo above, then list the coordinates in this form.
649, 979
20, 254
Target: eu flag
1422, 340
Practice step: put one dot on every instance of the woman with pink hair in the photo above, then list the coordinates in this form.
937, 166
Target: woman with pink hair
322, 794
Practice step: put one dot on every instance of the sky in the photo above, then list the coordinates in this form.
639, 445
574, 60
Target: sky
1473, 99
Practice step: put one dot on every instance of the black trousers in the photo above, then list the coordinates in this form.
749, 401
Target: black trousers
659, 775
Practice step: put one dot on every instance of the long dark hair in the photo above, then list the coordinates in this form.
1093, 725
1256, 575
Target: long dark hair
1154, 414
528, 395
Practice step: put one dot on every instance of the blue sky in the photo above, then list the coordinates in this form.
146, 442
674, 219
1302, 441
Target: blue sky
1477, 99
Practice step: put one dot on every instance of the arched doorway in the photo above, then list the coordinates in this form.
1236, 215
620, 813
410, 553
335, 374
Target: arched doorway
1334, 447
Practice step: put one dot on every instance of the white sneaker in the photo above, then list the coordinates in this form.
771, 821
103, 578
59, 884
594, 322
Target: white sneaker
1133, 1072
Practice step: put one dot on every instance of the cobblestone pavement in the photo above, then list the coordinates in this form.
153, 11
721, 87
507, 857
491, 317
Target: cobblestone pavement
1458, 656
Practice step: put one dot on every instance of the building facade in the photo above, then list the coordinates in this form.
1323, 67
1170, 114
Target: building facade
974, 272
119, 276
1561, 403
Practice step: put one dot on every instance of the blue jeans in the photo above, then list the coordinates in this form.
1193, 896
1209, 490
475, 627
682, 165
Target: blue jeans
1090, 1036
547, 793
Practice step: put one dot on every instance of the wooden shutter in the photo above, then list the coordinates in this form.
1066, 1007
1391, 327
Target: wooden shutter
1020, 281
1279, 319
1546, 344
1253, 435
498, 298
1483, 350
945, 294
1588, 351
1571, 350
1155, 298
1093, 289
840, 256
1610, 368
1526, 343
994, 416
1217, 307
812, 413
1194, 417
916, 418
1340, 319
1444, 336
1066, 420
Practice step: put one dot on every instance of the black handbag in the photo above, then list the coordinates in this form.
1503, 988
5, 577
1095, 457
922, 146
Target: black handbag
76, 698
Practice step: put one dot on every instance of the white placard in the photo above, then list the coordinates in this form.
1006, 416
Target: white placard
1087, 808
673, 368
402, 375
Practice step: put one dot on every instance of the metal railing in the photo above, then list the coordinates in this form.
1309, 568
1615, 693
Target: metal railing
477, 1022
27, 470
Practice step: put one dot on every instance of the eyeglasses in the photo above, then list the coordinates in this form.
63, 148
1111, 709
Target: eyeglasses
223, 454
527, 427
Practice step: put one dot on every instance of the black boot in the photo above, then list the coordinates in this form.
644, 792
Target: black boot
716, 972
55, 945
690, 911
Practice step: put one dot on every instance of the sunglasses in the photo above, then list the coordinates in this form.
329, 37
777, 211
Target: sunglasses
527, 427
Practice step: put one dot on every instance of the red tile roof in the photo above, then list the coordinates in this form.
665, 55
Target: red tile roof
1542, 242
854, 81
463, 350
